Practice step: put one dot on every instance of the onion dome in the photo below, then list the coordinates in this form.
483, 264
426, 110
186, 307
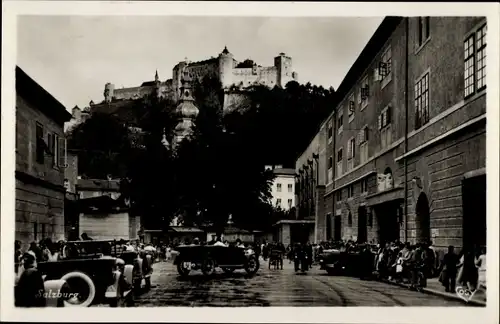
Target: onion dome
186, 108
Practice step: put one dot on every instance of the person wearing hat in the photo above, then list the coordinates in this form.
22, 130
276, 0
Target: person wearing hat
29, 291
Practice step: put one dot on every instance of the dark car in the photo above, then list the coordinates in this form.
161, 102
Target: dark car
210, 257
92, 272
349, 262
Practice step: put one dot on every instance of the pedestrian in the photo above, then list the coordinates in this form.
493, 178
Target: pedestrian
29, 291
467, 273
481, 266
448, 274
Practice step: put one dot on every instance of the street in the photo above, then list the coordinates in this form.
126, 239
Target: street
276, 288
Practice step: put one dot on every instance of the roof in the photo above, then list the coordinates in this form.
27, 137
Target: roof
185, 229
98, 184
284, 171
34, 93
374, 45
148, 83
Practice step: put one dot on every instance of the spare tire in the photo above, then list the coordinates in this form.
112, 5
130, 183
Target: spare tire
78, 276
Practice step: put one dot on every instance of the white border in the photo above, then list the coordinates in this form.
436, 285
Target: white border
237, 315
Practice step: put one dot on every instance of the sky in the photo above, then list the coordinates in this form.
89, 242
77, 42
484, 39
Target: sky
73, 57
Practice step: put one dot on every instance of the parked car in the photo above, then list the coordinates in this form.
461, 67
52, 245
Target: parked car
349, 263
91, 272
208, 258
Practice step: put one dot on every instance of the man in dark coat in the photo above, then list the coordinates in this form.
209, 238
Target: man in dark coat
29, 291
449, 269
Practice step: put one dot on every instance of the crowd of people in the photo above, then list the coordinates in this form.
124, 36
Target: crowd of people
405, 262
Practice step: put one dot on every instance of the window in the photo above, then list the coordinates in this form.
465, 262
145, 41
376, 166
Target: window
340, 121
351, 108
351, 149
423, 29
422, 101
40, 144
350, 191
349, 219
62, 152
475, 62
339, 195
290, 187
469, 66
364, 186
43, 231
481, 58
339, 162
330, 131
278, 202
370, 218
330, 169
289, 203
385, 65
384, 125
363, 145
53, 148
351, 145
278, 187
35, 231
364, 93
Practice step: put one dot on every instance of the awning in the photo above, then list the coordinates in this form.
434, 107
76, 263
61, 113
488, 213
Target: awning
178, 229
378, 198
295, 221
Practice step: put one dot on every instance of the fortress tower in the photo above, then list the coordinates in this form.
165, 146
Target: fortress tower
285, 73
226, 64
109, 90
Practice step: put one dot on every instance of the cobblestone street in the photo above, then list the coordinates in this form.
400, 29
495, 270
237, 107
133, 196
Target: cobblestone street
277, 288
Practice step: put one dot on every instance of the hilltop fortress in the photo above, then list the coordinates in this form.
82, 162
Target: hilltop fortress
235, 78
230, 72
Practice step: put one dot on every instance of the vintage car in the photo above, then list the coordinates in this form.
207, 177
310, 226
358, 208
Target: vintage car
208, 258
343, 262
99, 272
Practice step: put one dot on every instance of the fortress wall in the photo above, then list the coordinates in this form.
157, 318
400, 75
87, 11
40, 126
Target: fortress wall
199, 71
128, 93
265, 76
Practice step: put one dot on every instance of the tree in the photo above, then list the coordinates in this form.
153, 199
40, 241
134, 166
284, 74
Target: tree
102, 145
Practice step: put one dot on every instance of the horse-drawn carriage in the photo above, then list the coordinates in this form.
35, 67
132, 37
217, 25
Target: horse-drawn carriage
96, 272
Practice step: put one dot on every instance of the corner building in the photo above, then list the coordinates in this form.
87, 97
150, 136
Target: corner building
406, 143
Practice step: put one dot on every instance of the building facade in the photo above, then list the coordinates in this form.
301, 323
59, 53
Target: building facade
40, 162
283, 188
406, 143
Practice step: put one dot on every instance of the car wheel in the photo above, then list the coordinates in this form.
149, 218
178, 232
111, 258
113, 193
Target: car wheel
181, 269
81, 284
208, 267
252, 265
228, 270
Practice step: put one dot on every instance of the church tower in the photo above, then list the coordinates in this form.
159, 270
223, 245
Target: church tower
186, 113
157, 85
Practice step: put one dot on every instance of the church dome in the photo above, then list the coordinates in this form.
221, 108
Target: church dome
187, 109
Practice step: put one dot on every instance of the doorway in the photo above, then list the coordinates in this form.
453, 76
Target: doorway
362, 230
474, 211
337, 227
423, 219
387, 220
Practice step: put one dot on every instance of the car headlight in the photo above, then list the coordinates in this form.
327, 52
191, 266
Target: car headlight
321, 260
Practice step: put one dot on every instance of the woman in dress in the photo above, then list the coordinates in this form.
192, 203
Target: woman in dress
481, 266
